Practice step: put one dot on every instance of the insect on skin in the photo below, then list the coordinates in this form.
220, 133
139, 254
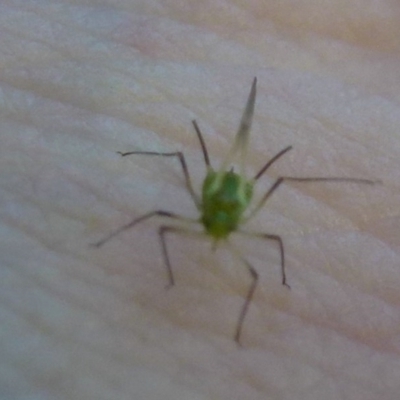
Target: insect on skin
225, 201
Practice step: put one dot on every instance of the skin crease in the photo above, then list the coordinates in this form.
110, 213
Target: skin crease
80, 82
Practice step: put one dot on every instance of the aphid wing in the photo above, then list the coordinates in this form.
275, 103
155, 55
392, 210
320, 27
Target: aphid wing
242, 135
243, 132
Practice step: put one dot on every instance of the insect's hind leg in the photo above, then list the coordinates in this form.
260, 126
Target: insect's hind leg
249, 296
277, 239
162, 231
246, 304
255, 276
181, 158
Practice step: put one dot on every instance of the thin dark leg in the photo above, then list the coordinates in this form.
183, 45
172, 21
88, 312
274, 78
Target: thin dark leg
282, 179
271, 190
182, 160
271, 161
279, 240
162, 231
246, 304
254, 275
332, 179
202, 144
136, 221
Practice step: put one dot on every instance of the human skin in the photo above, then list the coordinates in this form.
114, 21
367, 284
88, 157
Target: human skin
79, 83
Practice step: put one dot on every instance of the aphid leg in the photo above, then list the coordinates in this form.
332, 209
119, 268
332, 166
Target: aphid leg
162, 231
136, 221
332, 179
271, 161
182, 160
278, 240
271, 190
202, 144
249, 295
282, 253
282, 179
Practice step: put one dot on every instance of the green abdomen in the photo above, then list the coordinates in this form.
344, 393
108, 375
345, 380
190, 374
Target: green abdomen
225, 198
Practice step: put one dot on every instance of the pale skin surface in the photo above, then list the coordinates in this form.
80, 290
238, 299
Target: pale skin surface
80, 83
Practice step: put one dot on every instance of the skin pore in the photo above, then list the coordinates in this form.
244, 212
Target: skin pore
81, 82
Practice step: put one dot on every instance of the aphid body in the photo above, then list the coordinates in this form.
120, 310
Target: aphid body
225, 201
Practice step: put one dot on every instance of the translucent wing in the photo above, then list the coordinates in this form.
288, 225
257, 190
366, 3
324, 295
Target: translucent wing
242, 135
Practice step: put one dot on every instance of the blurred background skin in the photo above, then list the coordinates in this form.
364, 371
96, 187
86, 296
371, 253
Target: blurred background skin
82, 80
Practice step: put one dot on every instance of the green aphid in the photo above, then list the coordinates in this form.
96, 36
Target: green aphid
225, 201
